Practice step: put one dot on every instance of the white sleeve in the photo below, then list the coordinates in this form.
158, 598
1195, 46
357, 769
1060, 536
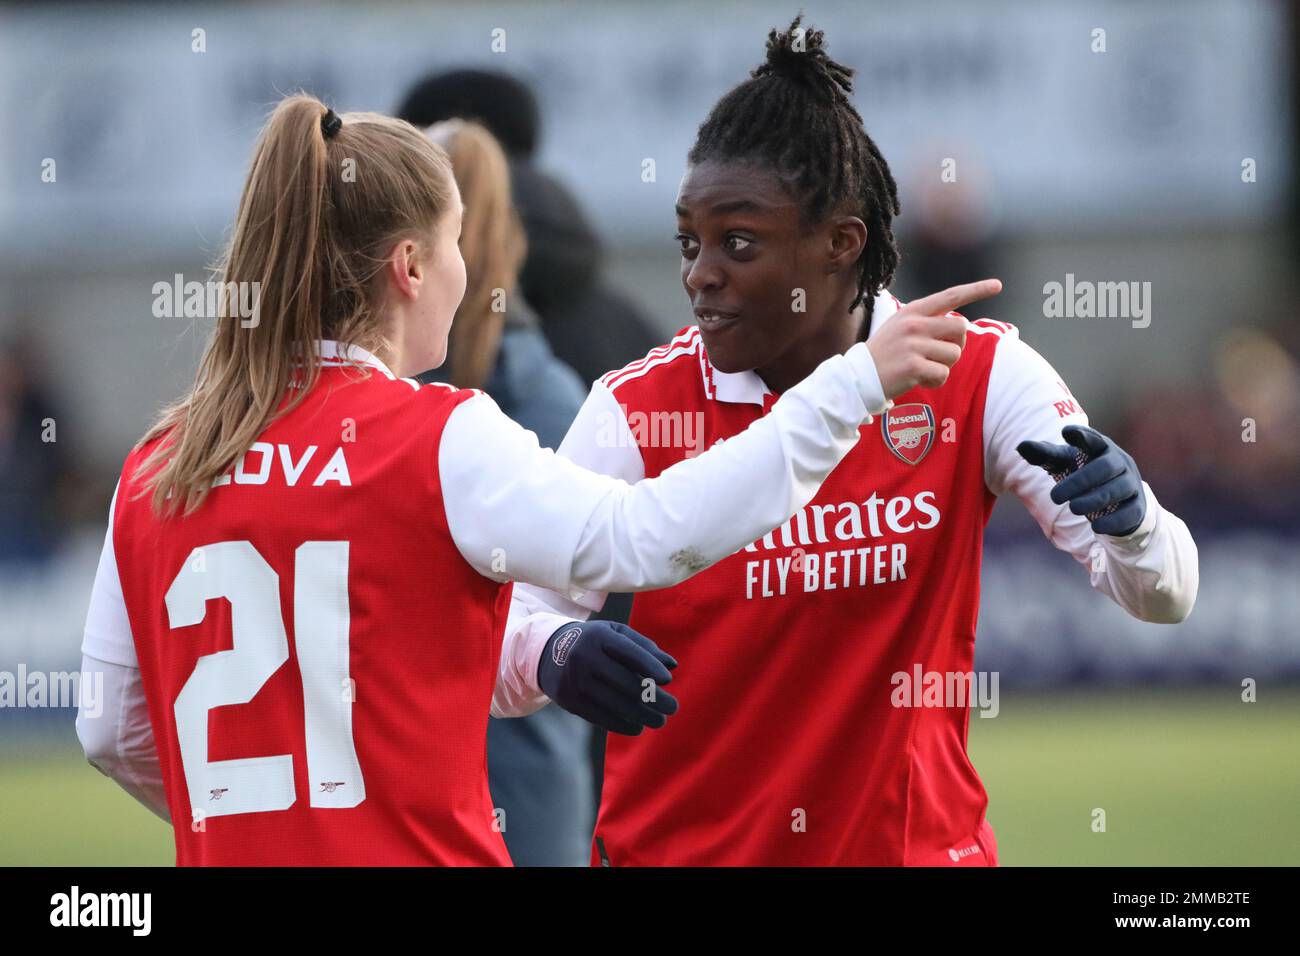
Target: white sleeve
115, 733
517, 693
601, 441
1151, 573
520, 512
108, 632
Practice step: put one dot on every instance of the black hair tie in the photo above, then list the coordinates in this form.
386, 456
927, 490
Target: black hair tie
330, 124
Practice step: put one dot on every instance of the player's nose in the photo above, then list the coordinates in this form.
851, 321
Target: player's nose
703, 272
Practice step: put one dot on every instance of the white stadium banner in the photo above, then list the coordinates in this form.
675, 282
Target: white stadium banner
150, 137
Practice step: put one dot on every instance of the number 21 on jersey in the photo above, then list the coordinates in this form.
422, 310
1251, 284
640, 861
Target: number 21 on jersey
236, 571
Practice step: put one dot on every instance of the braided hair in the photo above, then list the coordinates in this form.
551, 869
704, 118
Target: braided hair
793, 114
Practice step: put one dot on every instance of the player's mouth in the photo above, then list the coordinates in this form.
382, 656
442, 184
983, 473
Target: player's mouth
713, 320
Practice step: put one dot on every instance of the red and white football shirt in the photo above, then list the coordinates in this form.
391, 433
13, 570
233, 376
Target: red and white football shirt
319, 662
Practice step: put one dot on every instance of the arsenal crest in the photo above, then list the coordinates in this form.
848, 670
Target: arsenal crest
908, 431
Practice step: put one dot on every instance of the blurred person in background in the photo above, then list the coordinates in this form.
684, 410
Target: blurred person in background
539, 767
952, 236
590, 326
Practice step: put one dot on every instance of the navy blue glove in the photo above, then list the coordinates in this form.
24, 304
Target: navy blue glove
1097, 477
598, 670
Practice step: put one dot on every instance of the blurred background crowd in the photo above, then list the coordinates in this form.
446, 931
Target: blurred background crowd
1113, 142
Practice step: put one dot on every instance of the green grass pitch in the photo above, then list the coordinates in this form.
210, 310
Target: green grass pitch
1185, 777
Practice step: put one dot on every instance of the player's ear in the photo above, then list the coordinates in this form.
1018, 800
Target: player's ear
846, 237
404, 268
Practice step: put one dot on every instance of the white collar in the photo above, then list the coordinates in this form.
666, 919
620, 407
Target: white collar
748, 387
332, 353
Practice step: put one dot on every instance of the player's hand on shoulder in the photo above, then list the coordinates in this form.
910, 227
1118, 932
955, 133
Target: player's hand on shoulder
1097, 477
609, 675
922, 341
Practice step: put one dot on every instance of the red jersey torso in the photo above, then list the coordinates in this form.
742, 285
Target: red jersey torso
792, 745
318, 657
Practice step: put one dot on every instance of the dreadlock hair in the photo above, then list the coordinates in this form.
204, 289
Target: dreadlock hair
793, 114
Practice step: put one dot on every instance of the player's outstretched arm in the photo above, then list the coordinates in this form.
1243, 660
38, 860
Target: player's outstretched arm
518, 512
1136, 552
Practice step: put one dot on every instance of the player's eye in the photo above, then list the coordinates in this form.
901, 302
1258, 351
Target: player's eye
735, 243
688, 243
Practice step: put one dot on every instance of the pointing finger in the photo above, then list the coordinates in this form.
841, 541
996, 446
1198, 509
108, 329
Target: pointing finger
951, 299
1046, 455
1089, 441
